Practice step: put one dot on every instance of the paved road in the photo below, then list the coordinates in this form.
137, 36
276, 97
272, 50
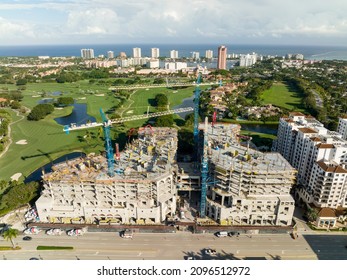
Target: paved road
103, 246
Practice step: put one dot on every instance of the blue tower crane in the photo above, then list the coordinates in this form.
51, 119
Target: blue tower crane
108, 143
196, 117
204, 173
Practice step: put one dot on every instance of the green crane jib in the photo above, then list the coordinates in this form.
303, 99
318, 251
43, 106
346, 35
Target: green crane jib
106, 124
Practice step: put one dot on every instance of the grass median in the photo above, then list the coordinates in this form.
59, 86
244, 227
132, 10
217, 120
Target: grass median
42, 248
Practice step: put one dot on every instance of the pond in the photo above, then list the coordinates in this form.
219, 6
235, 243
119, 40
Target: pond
187, 102
46, 101
78, 116
36, 175
261, 128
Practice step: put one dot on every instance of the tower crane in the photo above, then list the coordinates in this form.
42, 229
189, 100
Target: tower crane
106, 125
196, 116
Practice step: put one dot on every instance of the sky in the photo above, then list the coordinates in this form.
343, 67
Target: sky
294, 22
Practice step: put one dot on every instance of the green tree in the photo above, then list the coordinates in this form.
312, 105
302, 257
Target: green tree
40, 111
161, 100
164, 121
15, 105
65, 101
21, 82
10, 234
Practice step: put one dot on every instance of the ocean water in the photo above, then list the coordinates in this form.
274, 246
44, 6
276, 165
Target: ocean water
184, 50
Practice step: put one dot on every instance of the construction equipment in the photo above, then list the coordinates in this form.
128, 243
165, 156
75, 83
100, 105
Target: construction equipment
196, 116
106, 124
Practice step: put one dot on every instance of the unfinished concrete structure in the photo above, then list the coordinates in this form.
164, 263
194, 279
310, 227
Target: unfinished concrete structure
143, 190
247, 187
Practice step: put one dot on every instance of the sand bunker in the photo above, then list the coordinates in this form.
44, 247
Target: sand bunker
100, 94
130, 112
16, 176
22, 142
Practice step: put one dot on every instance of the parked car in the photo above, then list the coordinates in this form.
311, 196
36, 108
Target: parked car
27, 238
54, 231
32, 230
210, 252
75, 232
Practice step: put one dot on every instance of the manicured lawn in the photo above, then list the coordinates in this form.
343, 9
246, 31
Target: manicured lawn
283, 96
46, 139
46, 142
54, 248
143, 98
260, 139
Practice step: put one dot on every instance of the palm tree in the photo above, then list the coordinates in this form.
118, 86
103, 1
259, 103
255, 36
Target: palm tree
10, 234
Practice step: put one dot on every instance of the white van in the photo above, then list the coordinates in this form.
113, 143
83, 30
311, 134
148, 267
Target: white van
222, 234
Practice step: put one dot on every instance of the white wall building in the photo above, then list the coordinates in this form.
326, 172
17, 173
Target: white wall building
175, 65
173, 54
248, 59
209, 54
136, 52
316, 153
155, 52
152, 63
195, 55
342, 127
110, 54
87, 53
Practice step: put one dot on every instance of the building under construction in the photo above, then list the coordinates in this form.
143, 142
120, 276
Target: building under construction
142, 191
245, 186
242, 187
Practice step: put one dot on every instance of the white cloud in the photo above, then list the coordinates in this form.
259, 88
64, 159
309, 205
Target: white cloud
192, 20
96, 21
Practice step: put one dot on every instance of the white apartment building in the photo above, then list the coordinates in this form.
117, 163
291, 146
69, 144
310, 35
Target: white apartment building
195, 55
152, 63
313, 150
248, 59
250, 187
342, 127
175, 65
110, 54
136, 52
173, 54
155, 52
87, 53
209, 54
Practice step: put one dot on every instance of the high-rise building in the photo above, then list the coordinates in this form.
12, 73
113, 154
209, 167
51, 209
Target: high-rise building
174, 54
122, 55
342, 127
209, 54
110, 54
87, 53
248, 59
136, 52
155, 52
320, 157
195, 55
222, 57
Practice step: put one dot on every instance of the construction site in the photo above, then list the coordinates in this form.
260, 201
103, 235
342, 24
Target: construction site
142, 190
223, 182
247, 187
239, 186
